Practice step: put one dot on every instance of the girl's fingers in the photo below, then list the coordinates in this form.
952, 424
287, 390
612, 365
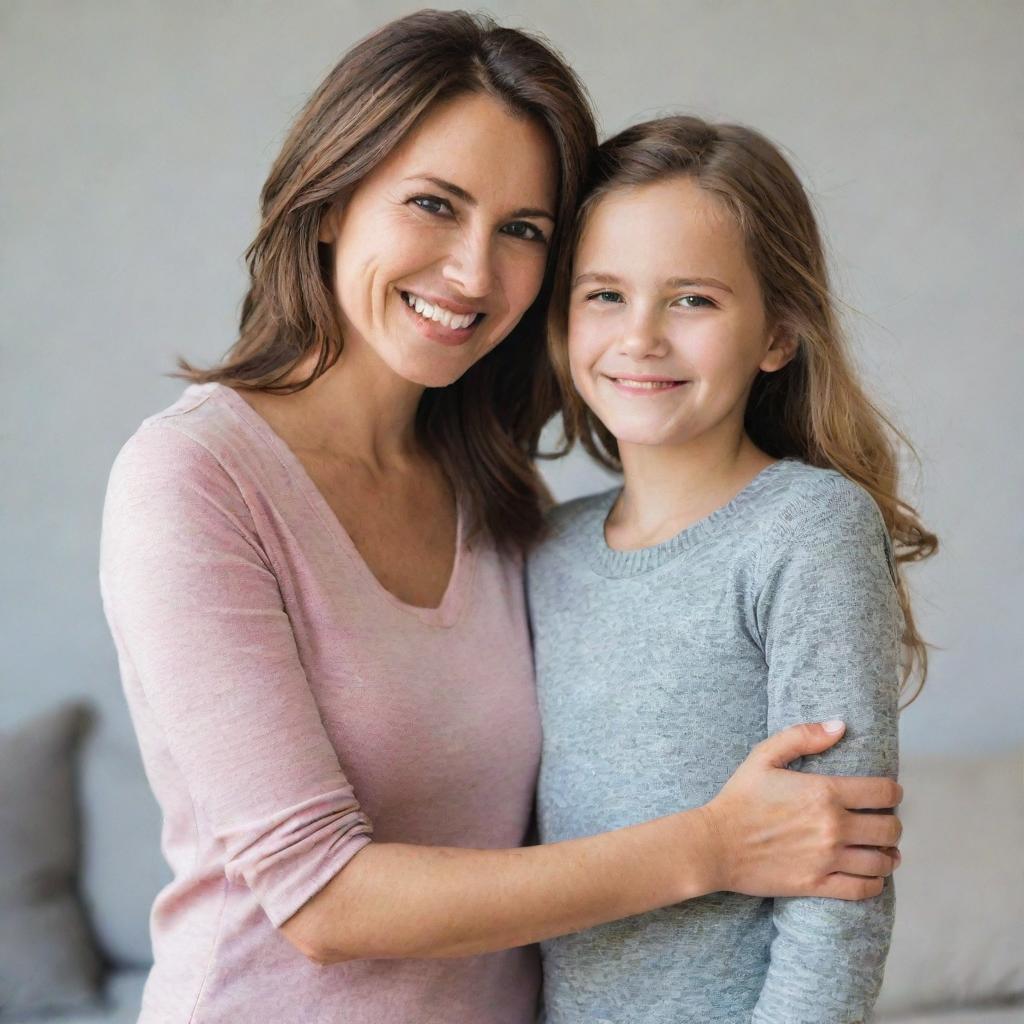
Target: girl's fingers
872, 830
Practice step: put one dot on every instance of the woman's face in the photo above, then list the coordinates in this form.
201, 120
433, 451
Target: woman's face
667, 328
443, 247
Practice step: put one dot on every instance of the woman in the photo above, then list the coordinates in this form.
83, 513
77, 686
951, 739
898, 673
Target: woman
311, 567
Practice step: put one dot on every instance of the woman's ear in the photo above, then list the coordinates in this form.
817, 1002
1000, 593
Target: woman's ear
328, 229
782, 348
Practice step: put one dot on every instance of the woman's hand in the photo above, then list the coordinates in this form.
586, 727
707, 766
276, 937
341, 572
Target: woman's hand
778, 832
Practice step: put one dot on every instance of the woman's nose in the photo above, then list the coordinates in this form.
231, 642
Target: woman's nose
470, 266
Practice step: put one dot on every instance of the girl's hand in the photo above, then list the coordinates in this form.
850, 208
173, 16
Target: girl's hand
778, 832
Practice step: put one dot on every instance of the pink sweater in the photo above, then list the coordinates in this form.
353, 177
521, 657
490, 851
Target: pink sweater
284, 701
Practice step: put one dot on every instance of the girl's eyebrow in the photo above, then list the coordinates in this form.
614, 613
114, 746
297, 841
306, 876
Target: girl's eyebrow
470, 200
598, 277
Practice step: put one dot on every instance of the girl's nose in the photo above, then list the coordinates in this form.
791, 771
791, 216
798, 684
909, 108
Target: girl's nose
643, 339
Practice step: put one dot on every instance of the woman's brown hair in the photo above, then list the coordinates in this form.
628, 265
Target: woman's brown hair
813, 409
484, 428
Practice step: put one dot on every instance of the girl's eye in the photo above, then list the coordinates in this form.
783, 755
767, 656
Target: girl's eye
606, 296
432, 204
694, 301
525, 230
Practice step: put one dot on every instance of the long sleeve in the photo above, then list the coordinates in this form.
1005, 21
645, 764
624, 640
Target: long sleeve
200, 627
830, 621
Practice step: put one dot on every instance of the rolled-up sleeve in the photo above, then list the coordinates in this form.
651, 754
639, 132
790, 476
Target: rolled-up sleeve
201, 629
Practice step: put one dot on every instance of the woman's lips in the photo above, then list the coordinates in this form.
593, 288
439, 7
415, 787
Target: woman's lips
437, 331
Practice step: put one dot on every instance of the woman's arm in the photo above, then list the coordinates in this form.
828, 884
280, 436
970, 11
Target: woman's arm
833, 624
768, 831
198, 617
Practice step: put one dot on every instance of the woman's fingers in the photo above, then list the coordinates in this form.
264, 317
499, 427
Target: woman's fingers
797, 741
861, 829
857, 792
849, 887
867, 861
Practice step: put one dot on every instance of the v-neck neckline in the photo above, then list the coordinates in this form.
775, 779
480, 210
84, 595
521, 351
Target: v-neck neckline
446, 613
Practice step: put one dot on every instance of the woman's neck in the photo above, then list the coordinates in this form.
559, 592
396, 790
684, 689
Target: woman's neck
670, 487
358, 410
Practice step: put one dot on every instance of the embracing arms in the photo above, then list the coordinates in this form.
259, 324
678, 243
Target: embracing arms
769, 831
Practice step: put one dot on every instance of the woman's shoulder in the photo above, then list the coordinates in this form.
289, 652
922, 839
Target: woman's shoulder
202, 417
196, 444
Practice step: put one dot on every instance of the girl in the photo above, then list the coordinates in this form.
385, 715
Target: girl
311, 565
743, 577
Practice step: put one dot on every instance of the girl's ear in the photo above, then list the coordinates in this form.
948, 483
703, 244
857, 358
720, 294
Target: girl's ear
782, 348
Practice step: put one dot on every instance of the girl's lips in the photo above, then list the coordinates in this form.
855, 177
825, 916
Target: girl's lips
646, 385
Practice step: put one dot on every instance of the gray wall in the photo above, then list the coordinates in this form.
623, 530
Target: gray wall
136, 138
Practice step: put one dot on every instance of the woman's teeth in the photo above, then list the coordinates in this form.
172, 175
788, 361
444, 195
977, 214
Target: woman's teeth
438, 314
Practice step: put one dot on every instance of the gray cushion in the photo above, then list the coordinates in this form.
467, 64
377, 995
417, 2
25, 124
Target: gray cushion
122, 867
47, 957
119, 1004
959, 933
969, 1015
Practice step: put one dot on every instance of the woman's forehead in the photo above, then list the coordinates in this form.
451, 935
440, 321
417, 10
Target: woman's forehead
489, 153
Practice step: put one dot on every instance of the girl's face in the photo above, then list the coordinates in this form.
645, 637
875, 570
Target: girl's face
442, 248
667, 328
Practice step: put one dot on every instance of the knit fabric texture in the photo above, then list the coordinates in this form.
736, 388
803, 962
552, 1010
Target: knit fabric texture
658, 670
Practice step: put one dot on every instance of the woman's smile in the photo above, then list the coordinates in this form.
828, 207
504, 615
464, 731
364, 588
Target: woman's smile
441, 320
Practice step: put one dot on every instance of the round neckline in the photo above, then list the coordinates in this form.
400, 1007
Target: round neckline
447, 612
612, 562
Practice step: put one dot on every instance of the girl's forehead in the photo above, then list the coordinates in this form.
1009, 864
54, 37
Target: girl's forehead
665, 223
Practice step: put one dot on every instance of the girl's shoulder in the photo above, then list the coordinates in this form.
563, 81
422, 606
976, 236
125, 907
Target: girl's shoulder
808, 500
820, 513
571, 526
565, 517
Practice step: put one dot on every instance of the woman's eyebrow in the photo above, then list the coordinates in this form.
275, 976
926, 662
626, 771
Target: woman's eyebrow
470, 200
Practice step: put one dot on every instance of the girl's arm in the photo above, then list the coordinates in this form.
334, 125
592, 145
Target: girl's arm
832, 626
207, 650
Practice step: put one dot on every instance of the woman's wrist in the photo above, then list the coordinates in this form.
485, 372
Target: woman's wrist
702, 853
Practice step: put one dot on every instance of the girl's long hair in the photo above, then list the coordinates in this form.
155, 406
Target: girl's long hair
484, 428
815, 408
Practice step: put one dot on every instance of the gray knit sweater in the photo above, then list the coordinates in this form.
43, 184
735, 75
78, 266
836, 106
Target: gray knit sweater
657, 671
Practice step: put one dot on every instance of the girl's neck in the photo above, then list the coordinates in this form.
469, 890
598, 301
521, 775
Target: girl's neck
668, 488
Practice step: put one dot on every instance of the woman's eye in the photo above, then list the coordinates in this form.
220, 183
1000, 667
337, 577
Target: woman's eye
431, 204
525, 230
694, 301
605, 296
